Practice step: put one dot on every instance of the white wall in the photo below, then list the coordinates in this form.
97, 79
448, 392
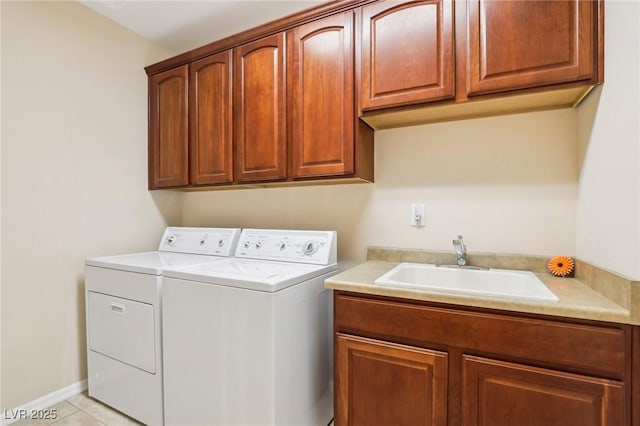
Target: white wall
508, 184
608, 213
74, 134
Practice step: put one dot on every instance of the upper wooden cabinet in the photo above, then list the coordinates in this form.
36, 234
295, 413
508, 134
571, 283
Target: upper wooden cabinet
510, 56
522, 44
297, 99
168, 128
321, 97
261, 152
407, 52
211, 120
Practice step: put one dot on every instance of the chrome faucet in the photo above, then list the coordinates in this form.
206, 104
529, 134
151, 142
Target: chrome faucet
461, 251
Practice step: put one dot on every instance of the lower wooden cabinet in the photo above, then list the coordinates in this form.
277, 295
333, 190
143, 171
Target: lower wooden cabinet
502, 393
403, 362
382, 383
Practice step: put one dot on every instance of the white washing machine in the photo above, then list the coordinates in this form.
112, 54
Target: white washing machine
123, 309
248, 340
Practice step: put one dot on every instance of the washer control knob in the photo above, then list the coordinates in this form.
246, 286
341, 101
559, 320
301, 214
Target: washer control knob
282, 246
309, 247
171, 240
203, 240
258, 244
220, 242
247, 244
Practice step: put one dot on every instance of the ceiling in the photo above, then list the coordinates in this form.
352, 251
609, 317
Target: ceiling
183, 25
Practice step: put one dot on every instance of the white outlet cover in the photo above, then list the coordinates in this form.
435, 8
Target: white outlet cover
416, 214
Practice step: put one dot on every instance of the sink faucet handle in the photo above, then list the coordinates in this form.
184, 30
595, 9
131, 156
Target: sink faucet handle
461, 250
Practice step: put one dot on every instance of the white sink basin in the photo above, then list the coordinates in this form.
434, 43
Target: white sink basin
488, 282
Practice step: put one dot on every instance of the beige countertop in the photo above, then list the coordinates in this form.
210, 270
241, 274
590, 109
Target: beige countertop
576, 299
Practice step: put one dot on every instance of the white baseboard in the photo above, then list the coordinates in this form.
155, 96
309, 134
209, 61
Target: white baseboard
9, 416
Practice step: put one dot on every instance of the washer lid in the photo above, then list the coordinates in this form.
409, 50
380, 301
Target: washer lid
268, 276
151, 262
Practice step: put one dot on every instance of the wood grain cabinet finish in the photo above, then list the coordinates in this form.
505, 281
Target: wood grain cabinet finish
168, 128
260, 107
211, 120
298, 106
383, 384
503, 393
502, 369
407, 52
321, 97
521, 44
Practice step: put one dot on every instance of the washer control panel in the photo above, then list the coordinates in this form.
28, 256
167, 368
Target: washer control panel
209, 241
317, 247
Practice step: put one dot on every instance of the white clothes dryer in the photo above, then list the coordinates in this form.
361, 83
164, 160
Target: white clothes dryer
123, 313
248, 340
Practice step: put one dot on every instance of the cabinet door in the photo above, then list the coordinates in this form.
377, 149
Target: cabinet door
260, 110
168, 128
321, 97
380, 383
520, 44
407, 52
501, 393
211, 142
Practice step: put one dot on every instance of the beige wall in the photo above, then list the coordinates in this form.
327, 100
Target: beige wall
1, 406
73, 180
508, 184
608, 209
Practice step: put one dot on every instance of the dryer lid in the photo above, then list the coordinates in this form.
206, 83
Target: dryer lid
179, 246
152, 262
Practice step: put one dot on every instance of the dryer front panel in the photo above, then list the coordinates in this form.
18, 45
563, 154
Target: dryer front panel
122, 329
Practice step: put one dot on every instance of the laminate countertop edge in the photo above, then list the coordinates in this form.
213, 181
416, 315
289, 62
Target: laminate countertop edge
576, 299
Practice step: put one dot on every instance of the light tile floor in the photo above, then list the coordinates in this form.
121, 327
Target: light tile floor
81, 410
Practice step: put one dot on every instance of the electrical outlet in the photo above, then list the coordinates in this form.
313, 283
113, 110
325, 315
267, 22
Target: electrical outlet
416, 214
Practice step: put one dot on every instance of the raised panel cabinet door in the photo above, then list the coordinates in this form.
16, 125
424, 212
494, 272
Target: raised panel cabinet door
259, 95
407, 52
521, 44
168, 128
211, 125
381, 383
321, 97
501, 393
